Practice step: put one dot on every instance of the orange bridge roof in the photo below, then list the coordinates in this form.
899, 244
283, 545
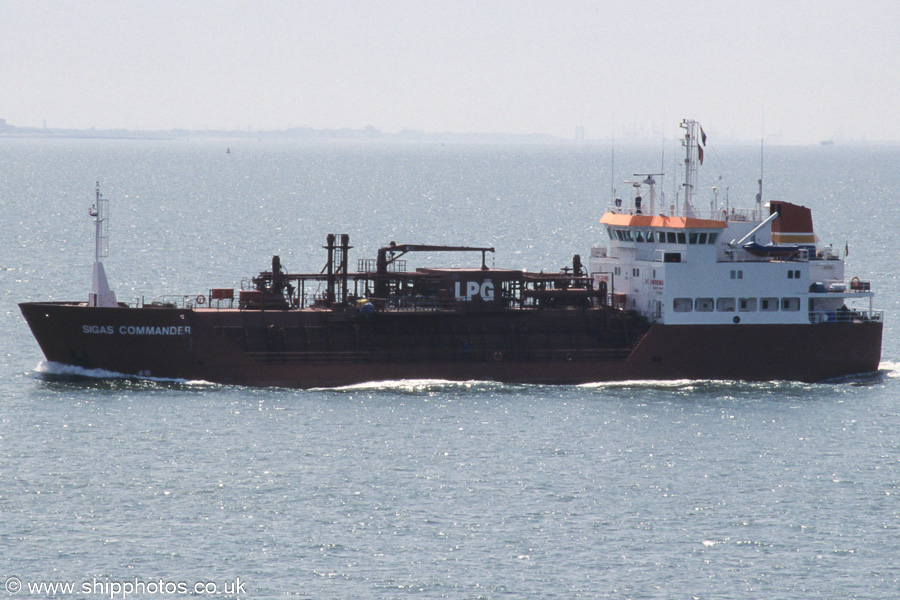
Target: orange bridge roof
660, 221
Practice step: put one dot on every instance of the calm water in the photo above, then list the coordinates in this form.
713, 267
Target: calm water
426, 489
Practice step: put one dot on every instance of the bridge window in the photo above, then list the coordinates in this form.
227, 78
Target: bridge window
682, 305
790, 304
725, 304
747, 304
696, 237
704, 305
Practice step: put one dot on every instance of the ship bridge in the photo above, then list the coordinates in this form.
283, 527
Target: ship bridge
686, 266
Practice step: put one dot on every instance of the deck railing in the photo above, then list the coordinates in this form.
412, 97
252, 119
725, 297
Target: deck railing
849, 316
732, 214
175, 301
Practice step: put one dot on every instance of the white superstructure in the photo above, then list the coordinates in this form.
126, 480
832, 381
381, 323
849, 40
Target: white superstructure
684, 266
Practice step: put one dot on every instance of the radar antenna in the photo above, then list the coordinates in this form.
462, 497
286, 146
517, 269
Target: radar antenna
651, 184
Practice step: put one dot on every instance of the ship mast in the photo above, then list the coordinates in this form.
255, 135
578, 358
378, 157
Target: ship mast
690, 165
759, 195
100, 294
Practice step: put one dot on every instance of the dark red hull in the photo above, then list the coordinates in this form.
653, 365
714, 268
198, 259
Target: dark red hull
325, 349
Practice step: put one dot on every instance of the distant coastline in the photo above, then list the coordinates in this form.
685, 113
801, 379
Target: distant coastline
367, 134
295, 133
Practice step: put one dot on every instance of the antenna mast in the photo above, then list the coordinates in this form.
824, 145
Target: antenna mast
690, 166
100, 211
662, 171
759, 194
612, 169
100, 294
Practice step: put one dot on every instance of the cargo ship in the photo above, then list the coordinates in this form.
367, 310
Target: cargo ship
677, 292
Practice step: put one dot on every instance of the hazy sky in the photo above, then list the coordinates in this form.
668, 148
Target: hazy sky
800, 70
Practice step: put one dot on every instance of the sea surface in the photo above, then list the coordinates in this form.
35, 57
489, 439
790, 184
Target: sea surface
127, 488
